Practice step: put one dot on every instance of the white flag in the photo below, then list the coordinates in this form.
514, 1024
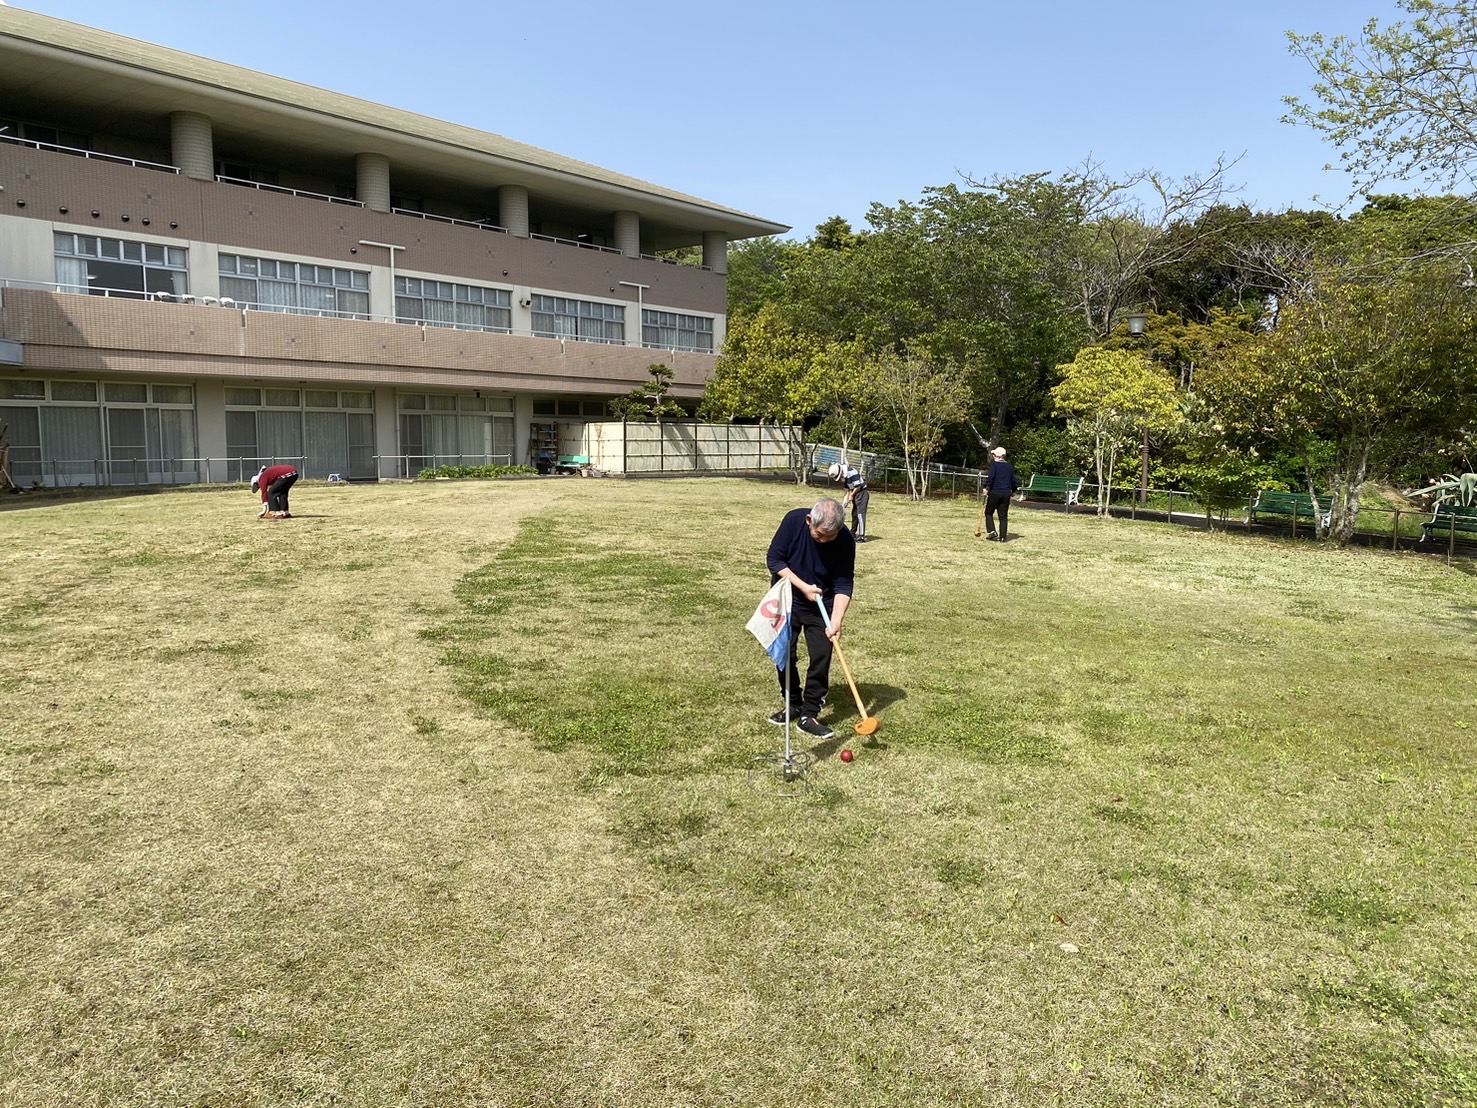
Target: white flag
771, 622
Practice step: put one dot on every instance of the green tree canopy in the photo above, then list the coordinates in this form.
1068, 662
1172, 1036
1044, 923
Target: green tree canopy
921, 398
1362, 368
1398, 102
775, 372
1116, 397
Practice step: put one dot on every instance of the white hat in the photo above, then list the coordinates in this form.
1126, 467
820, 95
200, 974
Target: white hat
834, 471
255, 481
999, 452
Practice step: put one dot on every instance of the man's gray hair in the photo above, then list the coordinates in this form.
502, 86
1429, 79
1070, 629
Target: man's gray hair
827, 516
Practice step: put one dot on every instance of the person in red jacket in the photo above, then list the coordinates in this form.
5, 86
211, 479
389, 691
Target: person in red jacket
273, 483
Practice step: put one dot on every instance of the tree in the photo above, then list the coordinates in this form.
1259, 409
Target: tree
758, 270
1116, 397
1398, 102
1214, 467
975, 277
777, 373
1361, 369
921, 398
1126, 229
649, 401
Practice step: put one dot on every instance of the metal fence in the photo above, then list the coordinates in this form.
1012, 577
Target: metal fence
66, 473
1378, 526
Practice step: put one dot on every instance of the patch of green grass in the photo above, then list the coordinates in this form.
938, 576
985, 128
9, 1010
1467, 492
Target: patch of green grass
1350, 907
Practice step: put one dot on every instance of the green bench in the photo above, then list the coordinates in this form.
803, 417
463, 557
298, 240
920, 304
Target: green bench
1450, 520
1040, 484
1297, 505
569, 463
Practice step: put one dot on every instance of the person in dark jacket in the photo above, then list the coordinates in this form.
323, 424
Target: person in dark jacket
1000, 484
274, 482
815, 552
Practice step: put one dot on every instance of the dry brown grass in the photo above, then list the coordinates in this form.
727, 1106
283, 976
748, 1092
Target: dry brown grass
259, 850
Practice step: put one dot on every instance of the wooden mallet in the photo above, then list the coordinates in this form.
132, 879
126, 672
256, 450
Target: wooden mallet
868, 724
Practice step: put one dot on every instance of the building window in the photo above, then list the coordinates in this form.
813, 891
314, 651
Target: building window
172, 394
61, 435
25, 389
296, 288
125, 392
43, 135
116, 267
671, 331
557, 317
303, 426
240, 171
77, 392
442, 304
568, 409
438, 430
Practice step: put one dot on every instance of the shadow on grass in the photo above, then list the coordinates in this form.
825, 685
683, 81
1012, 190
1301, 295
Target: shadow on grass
877, 698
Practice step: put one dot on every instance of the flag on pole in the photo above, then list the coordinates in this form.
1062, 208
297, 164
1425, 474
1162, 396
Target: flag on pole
771, 622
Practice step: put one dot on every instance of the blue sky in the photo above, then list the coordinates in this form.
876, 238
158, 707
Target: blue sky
803, 110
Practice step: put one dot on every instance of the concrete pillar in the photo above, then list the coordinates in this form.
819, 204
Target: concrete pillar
715, 251
512, 209
372, 181
191, 145
628, 234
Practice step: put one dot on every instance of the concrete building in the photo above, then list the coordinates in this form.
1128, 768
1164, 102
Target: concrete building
203, 269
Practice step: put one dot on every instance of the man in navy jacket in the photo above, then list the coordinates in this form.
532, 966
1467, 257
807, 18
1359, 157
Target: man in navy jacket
1000, 483
817, 555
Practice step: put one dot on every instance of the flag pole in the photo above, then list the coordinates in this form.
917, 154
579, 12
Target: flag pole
788, 701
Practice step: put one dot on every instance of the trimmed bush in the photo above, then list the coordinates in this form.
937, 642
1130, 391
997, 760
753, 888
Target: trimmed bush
459, 472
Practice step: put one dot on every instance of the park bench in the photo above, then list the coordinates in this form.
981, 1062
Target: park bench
1270, 502
1040, 484
1450, 520
571, 463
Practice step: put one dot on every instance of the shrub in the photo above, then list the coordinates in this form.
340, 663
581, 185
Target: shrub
458, 472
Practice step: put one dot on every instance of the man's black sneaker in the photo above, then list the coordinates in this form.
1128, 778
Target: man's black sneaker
778, 719
814, 727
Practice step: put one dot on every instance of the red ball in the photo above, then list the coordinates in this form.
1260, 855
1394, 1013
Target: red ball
846, 755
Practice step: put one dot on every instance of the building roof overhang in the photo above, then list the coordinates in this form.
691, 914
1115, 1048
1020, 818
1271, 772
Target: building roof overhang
129, 80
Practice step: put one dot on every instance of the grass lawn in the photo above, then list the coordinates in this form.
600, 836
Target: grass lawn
443, 794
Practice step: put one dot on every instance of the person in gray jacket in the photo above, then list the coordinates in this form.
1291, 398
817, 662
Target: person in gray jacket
856, 495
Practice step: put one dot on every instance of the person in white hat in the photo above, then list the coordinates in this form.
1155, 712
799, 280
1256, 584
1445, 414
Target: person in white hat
856, 495
1000, 483
274, 483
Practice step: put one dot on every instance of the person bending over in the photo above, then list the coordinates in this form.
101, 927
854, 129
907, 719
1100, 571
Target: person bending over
856, 495
817, 555
274, 483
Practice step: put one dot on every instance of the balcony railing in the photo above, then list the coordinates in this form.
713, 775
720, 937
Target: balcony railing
188, 299
305, 194
477, 223
674, 261
138, 163
576, 242
290, 192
